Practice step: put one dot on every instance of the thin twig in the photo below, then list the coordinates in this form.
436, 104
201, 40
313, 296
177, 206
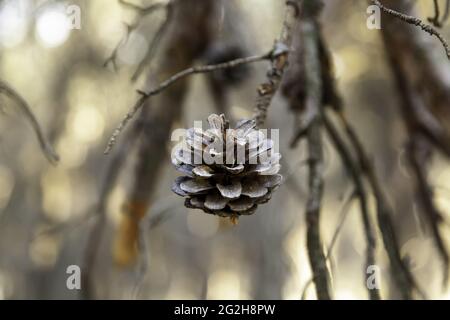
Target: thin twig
401, 273
313, 103
45, 145
188, 38
178, 76
417, 22
424, 130
131, 27
144, 10
147, 224
425, 193
155, 42
446, 13
113, 57
109, 182
355, 173
435, 20
343, 216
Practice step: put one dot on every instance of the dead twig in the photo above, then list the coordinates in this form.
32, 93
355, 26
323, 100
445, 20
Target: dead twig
343, 216
446, 13
143, 11
418, 158
147, 224
45, 145
400, 271
155, 42
435, 20
417, 22
109, 182
176, 77
113, 57
360, 191
313, 103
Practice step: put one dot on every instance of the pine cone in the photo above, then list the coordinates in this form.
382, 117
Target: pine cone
229, 172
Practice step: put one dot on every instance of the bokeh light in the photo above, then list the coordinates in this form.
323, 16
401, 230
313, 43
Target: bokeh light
52, 27
13, 22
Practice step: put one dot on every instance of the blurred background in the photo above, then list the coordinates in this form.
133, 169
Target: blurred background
47, 213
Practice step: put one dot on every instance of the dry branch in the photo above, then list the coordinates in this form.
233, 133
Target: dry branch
417, 22
143, 11
173, 79
313, 106
343, 216
279, 62
356, 175
45, 145
113, 171
187, 40
423, 86
401, 273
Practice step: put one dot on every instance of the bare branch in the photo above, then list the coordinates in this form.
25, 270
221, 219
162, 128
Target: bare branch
109, 182
343, 216
417, 156
424, 131
180, 75
313, 103
417, 22
446, 13
190, 36
435, 20
144, 10
155, 42
360, 191
130, 28
45, 145
113, 57
148, 223
400, 271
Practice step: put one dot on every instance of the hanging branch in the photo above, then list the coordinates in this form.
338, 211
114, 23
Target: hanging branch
155, 42
435, 20
304, 88
143, 11
173, 79
424, 131
110, 180
279, 62
277, 55
186, 43
401, 273
417, 22
313, 105
446, 13
343, 216
418, 157
45, 145
423, 87
360, 191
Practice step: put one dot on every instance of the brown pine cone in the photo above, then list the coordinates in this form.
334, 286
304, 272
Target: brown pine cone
228, 172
